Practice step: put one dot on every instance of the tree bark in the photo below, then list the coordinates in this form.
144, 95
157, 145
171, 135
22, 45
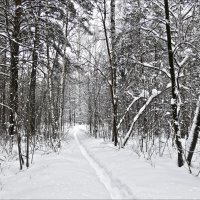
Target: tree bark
63, 78
194, 133
113, 74
32, 89
174, 90
3, 114
14, 53
14, 45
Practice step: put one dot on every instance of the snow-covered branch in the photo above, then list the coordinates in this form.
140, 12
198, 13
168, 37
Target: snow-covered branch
155, 34
147, 65
155, 94
127, 110
128, 134
6, 106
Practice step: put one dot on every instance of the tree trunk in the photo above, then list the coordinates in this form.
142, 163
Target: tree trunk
63, 79
194, 133
3, 114
14, 52
112, 62
14, 47
174, 91
113, 74
32, 99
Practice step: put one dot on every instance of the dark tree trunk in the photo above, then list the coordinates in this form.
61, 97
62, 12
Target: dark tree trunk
32, 90
194, 132
113, 74
113, 71
89, 106
174, 89
14, 67
3, 114
14, 51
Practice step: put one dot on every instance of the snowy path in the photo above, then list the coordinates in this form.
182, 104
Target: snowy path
116, 189
67, 175
87, 168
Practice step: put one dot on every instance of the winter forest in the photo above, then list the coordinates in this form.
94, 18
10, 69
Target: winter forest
111, 87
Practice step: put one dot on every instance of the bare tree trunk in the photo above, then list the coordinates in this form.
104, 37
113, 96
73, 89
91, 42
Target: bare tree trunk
3, 114
89, 106
14, 45
53, 126
63, 78
194, 133
114, 74
32, 98
174, 91
113, 69
14, 51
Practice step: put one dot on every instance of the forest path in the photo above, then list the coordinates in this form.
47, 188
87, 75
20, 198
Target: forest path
114, 186
67, 175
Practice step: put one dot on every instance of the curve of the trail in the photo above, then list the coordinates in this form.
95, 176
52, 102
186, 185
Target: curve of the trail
114, 186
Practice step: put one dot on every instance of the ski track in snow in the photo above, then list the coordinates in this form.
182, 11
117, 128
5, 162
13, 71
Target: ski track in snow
116, 189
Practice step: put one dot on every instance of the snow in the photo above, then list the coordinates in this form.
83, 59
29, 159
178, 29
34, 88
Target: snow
185, 59
169, 85
87, 168
115, 188
173, 101
155, 92
188, 51
187, 11
3, 35
144, 93
33, 29
164, 181
66, 175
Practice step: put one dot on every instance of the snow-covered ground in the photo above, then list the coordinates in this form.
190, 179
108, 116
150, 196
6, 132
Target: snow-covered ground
66, 175
87, 168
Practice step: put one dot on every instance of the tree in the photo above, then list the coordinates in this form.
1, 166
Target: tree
113, 73
194, 132
14, 65
175, 89
32, 88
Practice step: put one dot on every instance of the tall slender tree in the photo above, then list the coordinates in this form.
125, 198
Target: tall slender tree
14, 68
175, 89
113, 73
